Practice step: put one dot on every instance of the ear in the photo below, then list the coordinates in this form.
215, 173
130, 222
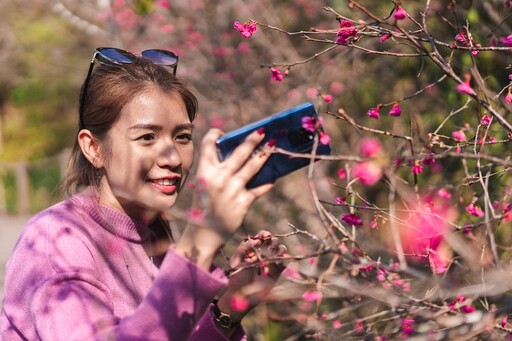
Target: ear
90, 148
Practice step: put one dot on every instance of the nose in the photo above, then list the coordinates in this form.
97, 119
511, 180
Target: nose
168, 156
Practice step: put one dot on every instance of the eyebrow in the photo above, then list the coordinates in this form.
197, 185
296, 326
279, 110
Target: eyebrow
155, 127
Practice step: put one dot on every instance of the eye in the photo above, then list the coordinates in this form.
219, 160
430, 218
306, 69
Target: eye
184, 137
147, 138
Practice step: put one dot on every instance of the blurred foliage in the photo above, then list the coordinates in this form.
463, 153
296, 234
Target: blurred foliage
38, 120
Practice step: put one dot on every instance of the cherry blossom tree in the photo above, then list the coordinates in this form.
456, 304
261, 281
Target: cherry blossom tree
404, 231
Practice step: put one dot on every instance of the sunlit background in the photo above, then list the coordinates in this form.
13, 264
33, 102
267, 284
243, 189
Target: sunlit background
46, 47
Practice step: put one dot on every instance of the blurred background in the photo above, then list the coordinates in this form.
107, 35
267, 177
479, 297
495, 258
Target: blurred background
46, 47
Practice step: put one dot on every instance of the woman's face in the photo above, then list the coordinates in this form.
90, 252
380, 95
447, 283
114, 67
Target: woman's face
148, 156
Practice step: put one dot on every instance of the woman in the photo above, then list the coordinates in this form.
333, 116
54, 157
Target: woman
86, 268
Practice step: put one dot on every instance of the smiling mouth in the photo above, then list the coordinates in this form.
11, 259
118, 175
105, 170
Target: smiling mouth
167, 185
166, 182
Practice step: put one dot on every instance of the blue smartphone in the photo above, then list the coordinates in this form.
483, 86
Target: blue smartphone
285, 128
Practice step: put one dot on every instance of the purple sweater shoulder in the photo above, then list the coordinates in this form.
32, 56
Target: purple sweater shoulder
79, 272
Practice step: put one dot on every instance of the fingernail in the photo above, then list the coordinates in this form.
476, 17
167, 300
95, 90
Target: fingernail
271, 143
261, 131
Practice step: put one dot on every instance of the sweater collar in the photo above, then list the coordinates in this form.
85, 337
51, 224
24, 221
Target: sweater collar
117, 223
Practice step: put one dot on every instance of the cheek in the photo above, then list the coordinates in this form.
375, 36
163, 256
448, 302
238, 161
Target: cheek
187, 157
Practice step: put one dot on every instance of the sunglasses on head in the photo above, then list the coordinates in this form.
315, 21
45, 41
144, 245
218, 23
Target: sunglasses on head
115, 56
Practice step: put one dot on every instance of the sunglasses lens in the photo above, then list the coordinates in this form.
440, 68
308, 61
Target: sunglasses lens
117, 55
160, 57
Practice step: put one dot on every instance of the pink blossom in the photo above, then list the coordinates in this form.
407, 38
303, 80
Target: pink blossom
103, 16
486, 120
216, 120
311, 93
429, 160
352, 219
381, 275
246, 30
427, 222
341, 201
239, 303
459, 135
346, 24
465, 89
243, 48
474, 210
444, 193
417, 169
437, 263
374, 113
164, 3
167, 28
374, 224
461, 37
456, 303
408, 326
276, 74
508, 97
370, 147
347, 30
359, 326
496, 204
395, 110
385, 37
507, 40
327, 98
291, 272
312, 296
312, 124
126, 18
368, 172
195, 214
467, 309
400, 13
342, 174
324, 138
508, 216
336, 88
336, 324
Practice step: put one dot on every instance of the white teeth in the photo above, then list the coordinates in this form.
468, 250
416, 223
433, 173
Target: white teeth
166, 182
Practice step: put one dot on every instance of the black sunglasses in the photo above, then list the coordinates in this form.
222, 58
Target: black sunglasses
115, 56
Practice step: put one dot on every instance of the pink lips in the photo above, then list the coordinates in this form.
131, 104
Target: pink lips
165, 185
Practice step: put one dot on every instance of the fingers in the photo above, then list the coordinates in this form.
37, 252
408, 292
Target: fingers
244, 151
263, 245
239, 167
208, 147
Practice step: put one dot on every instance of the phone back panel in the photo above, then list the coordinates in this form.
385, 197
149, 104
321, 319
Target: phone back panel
285, 128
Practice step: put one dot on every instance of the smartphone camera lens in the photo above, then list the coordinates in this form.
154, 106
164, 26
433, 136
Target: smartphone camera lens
300, 137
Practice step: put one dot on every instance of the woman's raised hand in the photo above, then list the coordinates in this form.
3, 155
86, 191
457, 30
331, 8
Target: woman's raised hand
221, 199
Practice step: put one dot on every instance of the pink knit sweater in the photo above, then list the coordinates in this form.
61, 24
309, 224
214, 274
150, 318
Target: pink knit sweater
79, 272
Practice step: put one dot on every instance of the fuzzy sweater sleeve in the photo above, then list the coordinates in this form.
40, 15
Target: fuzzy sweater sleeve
57, 292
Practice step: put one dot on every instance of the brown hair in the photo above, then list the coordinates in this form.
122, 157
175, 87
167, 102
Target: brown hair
110, 89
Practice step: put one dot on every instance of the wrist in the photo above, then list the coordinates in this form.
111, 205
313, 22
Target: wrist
200, 245
224, 317
225, 305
